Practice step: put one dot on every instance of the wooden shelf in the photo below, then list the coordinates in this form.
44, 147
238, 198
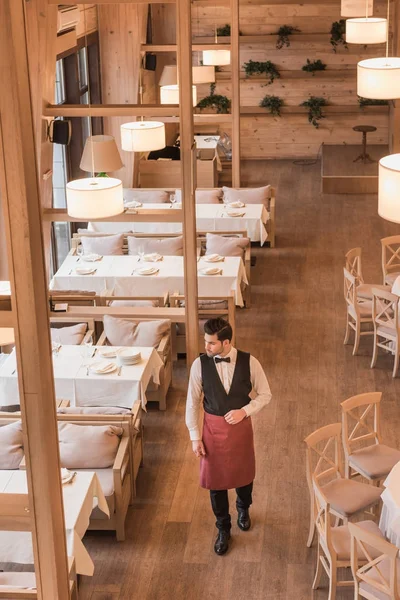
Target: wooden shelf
225, 77
195, 47
248, 111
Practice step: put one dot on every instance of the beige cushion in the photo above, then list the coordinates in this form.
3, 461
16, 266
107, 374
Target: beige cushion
259, 195
146, 196
341, 540
122, 332
18, 580
11, 445
212, 196
93, 410
71, 336
107, 245
375, 461
347, 497
364, 290
88, 446
135, 303
166, 247
384, 568
225, 246
106, 479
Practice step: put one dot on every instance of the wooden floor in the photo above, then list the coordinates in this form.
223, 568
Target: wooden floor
295, 327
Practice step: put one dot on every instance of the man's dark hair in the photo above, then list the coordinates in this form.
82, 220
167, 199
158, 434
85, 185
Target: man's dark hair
219, 327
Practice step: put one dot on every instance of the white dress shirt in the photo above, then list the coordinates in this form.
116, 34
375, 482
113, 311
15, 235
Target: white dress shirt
225, 371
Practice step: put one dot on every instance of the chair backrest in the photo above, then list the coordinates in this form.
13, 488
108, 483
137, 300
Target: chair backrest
108, 298
73, 298
371, 573
390, 254
361, 420
322, 517
324, 456
350, 290
385, 310
353, 264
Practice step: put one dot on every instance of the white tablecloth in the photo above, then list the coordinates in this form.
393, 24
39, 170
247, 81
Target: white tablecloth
209, 217
119, 273
389, 522
79, 502
72, 382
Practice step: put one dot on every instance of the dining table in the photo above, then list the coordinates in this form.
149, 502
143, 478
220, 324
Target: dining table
80, 496
252, 218
122, 274
75, 381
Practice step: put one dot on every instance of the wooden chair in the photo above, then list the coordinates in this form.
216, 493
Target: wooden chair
354, 267
377, 576
324, 467
361, 425
209, 307
390, 259
77, 237
359, 312
108, 298
385, 315
334, 544
73, 298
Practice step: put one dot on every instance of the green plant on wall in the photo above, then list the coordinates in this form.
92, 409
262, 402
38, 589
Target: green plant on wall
283, 35
220, 103
273, 104
314, 105
338, 30
313, 66
370, 102
260, 68
224, 31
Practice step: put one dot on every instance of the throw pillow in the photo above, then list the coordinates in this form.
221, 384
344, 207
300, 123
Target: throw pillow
88, 446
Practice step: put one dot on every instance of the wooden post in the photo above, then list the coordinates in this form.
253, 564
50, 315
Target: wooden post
235, 69
22, 215
188, 175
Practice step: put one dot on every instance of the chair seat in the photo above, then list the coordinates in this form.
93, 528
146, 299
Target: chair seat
348, 497
364, 290
18, 580
341, 540
384, 568
390, 278
375, 461
387, 332
364, 308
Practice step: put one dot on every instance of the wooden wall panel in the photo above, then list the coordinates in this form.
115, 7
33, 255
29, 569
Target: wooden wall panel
88, 20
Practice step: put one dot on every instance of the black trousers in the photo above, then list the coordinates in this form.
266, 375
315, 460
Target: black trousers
220, 504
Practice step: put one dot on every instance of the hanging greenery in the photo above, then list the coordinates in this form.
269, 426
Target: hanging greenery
314, 105
370, 102
313, 66
220, 103
224, 31
283, 35
259, 68
338, 30
273, 104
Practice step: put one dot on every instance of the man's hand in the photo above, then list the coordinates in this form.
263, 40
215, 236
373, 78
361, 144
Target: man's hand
233, 417
198, 448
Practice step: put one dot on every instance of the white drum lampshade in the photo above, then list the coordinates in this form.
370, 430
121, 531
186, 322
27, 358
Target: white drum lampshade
389, 188
379, 78
143, 136
169, 75
203, 74
169, 94
100, 155
216, 57
356, 8
366, 31
95, 198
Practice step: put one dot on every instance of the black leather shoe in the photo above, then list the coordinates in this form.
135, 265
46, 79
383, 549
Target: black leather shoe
244, 521
222, 542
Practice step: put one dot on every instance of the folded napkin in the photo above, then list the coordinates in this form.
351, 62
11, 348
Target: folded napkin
108, 353
85, 271
153, 257
236, 204
211, 271
235, 213
103, 367
133, 204
91, 257
213, 258
148, 271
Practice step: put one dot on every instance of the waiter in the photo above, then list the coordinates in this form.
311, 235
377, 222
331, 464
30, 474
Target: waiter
223, 379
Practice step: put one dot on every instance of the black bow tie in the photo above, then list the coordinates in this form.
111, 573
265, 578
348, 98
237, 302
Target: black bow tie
218, 360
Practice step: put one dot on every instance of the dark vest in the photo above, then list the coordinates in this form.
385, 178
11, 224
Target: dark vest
216, 400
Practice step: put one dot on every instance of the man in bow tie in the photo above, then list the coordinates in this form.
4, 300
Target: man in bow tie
223, 379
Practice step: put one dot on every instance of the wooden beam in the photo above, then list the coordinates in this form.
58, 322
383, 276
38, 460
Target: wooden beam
114, 2
22, 213
173, 47
188, 176
235, 68
176, 315
144, 216
110, 110
7, 318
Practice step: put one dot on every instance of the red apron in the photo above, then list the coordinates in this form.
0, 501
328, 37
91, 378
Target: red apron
229, 461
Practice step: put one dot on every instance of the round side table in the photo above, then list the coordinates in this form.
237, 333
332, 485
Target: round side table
364, 156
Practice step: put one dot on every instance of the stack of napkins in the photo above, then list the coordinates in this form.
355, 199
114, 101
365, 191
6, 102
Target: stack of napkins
133, 204
153, 257
213, 258
148, 271
91, 257
236, 204
128, 356
88, 271
211, 271
103, 367
108, 352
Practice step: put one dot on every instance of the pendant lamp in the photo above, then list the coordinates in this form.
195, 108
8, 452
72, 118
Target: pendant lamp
216, 57
100, 155
94, 198
143, 136
169, 94
356, 8
366, 31
379, 78
388, 188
